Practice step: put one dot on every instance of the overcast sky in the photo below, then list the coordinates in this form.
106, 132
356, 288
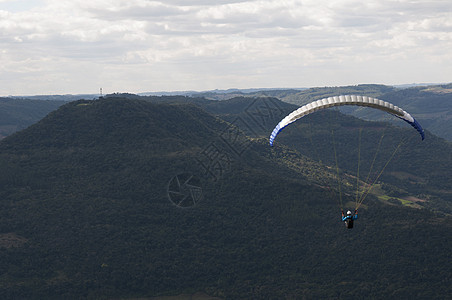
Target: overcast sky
79, 46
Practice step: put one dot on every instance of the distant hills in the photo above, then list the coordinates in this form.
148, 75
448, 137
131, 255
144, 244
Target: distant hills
431, 104
134, 197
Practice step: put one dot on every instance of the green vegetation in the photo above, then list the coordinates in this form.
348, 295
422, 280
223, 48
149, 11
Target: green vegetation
17, 114
85, 210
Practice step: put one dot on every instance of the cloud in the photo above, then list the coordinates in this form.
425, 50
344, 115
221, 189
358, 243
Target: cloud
220, 44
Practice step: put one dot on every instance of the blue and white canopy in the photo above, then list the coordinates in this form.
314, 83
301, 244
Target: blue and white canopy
346, 100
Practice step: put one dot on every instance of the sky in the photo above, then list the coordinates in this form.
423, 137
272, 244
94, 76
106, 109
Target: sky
80, 46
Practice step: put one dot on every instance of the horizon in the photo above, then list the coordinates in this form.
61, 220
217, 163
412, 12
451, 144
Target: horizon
228, 90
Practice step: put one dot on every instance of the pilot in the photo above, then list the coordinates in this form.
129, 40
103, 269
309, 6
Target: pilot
349, 218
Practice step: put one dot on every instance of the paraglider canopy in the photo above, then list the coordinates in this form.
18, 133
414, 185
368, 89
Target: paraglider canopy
345, 100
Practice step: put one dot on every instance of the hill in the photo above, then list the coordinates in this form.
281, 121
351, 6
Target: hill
432, 106
17, 114
130, 198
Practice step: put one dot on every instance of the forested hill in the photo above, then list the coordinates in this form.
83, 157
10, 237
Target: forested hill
17, 114
127, 198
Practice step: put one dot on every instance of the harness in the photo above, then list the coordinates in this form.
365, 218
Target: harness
349, 222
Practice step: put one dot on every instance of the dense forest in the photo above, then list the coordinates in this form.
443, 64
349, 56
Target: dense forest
18, 114
134, 197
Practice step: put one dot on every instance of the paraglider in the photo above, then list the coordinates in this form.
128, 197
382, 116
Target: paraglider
341, 101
